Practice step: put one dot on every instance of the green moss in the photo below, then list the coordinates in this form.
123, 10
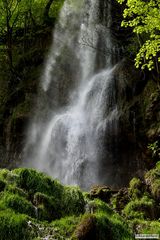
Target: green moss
17, 203
140, 208
86, 229
15, 190
66, 226
72, 201
135, 189
155, 189
48, 208
145, 227
2, 185
33, 181
158, 165
152, 179
13, 226
109, 224
4, 173
119, 200
71, 214
112, 228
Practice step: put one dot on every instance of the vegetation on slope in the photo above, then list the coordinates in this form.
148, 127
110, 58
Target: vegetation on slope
34, 206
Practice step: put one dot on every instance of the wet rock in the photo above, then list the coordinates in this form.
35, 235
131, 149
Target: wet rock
120, 199
102, 192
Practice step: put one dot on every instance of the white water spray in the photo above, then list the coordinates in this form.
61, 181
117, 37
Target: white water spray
67, 140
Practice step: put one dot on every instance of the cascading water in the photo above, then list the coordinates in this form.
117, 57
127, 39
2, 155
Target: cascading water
70, 136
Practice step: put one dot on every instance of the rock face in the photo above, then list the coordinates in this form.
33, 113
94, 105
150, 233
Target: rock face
101, 192
17, 95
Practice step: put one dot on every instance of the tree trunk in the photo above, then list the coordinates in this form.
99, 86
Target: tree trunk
46, 19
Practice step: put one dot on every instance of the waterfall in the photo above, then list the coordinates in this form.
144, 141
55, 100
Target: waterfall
73, 132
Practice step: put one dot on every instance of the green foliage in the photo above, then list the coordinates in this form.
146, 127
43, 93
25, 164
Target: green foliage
143, 16
26, 12
13, 226
154, 147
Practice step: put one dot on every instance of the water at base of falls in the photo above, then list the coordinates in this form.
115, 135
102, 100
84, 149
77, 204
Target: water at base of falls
67, 137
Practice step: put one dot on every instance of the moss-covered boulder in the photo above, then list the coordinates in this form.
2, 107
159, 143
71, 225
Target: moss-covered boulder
152, 180
13, 226
120, 199
102, 192
86, 229
136, 188
142, 208
48, 208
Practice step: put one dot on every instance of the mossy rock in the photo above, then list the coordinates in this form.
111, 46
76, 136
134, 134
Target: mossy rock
17, 203
152, 180
142, 208
13, 226
109, 225
102, 192
15, 190
65, 227
3, 173
145, 227
120, 200
48, 208
33, 181
86, 229
136, 188
2, 185
72, 201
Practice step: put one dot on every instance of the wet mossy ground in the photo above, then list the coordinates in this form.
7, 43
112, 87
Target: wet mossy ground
35, 206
